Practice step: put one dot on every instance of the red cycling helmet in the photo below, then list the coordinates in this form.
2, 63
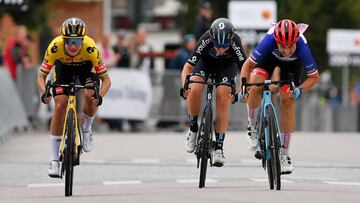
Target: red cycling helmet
286, 32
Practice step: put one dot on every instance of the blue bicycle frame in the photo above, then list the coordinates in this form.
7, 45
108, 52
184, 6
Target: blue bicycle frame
266, 101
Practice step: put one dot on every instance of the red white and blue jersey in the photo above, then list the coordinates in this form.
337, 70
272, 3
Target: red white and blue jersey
302, 52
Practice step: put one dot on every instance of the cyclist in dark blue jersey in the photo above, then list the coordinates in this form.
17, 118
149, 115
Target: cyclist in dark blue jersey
284, 46
218, 51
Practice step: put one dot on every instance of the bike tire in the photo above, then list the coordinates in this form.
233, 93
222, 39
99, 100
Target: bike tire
69, 152
268, 165
274, 148
205, 139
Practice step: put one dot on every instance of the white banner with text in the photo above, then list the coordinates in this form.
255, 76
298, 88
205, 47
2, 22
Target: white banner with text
129, 96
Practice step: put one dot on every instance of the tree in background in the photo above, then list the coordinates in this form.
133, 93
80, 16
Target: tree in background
321, 15
191, 7
34, 18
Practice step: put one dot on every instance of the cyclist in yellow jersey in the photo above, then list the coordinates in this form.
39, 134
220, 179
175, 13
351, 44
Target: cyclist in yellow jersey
72, 54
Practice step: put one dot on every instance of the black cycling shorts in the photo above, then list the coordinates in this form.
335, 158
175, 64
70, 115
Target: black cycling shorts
286, 67
64, 75
223, 70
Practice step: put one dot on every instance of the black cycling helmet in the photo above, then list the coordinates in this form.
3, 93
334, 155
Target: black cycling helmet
73, 27
222, 32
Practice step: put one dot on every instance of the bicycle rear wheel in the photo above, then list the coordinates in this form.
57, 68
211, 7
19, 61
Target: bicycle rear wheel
205, 139
69, 152
274, 149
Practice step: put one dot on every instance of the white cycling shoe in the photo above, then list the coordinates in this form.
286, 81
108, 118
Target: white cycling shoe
54, 169
252, 137
190, 141
218, 158
88, 143
285, 162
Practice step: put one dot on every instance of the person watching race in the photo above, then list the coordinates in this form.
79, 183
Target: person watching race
72, 53
286, 47
218, 51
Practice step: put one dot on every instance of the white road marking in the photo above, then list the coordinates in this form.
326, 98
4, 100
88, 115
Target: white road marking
195, 181
191, 160
127, 182
341, 183
93, 161
266, 180
145, 161
37, 185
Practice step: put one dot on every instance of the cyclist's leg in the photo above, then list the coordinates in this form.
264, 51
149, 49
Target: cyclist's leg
287, 111
90, 107
226, 73
89, 110
57, 121
262, 72
200, 73
287, 105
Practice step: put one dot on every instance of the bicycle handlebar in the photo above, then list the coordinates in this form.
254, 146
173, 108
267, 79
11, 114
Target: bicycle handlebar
229, 84
77, 87
267, 83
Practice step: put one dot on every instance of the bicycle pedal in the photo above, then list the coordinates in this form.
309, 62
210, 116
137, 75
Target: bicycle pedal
286, 172
257, 155
218, 164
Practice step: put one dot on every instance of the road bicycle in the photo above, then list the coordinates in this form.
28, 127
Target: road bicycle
71, 141
205, 136
270, 143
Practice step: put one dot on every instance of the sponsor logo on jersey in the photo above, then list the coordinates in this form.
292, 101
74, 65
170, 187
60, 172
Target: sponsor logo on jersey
193, 59
59, 90
54, 49
90, 49
237, 51
203, 44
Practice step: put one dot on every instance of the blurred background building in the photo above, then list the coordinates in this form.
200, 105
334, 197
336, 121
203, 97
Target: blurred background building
147, 35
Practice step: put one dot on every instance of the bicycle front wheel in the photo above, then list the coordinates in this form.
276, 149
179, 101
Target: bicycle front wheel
205, 140
69, 152
274, 148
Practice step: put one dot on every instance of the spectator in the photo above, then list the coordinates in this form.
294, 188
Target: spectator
142, 49
122, 50
109, 57
355, 97
178, 62
16, 51
203, 19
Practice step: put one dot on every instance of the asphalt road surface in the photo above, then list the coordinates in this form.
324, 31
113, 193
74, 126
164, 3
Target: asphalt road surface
154, 167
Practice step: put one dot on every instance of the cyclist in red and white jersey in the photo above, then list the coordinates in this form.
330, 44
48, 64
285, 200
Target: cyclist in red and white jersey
284, 46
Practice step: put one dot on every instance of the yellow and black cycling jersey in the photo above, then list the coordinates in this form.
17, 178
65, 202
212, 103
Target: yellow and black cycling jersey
89, 58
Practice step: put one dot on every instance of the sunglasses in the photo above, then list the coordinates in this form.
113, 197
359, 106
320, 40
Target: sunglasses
224, 45
76, 41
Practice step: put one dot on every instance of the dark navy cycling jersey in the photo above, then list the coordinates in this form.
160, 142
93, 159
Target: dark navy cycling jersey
205, 49
268, 46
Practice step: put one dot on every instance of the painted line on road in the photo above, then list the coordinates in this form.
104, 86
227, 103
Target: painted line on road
191, 160
145, 161
127, 182
37, 185
342, 183
94, 161
250, 161
266, 180
195, 181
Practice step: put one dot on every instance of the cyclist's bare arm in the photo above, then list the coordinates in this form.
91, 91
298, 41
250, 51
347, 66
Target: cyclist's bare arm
41, 83
186, 71
246, 68
105, 85
310, 81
